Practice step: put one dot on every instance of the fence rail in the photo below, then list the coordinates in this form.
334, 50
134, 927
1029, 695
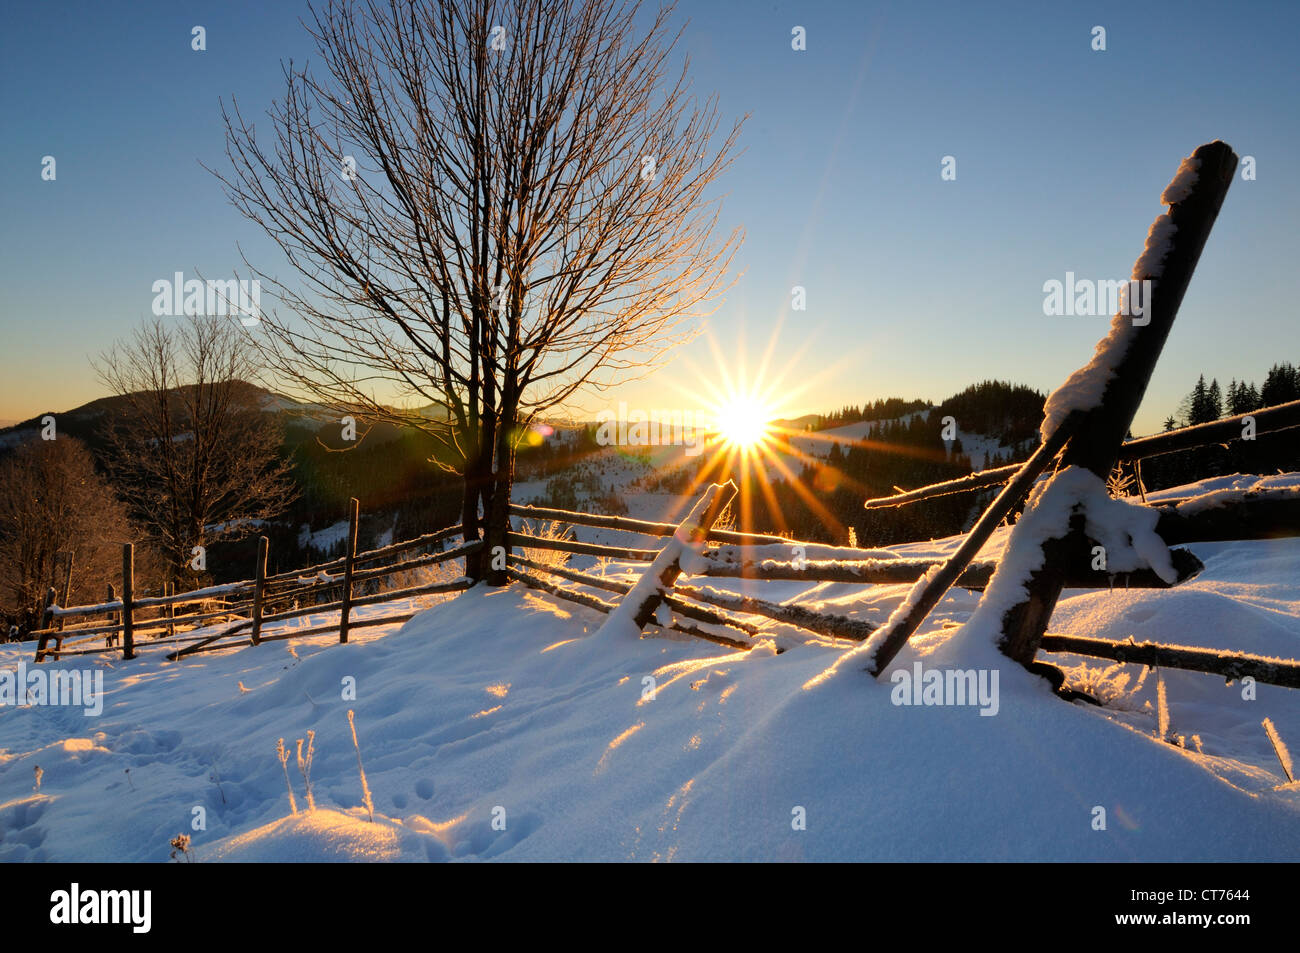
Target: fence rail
1267, 420
252, 597
699, 611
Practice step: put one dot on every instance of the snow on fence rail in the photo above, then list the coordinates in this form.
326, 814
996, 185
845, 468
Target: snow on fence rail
769, 559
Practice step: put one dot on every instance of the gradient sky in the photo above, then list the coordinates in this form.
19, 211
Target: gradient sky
915, 286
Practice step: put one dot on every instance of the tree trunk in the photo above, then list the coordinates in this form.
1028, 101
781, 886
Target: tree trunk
469, 521
497, 512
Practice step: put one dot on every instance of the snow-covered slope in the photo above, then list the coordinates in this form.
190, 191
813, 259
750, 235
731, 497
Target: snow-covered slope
496, 725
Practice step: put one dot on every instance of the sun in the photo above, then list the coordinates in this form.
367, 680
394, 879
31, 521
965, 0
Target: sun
743, 422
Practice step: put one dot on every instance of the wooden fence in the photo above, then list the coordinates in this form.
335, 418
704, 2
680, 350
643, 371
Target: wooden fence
1090, 438
242, 607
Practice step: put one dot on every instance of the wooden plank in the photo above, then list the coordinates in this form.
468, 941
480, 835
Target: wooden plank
114, 618
1232, 665
644, 527
974, 481
420, 562
1097, 446
582, 549
873, 572
1262, 514
428, 589
837, 626
574, 575
1266, 420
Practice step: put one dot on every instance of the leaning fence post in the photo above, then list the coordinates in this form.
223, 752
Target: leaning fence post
128, 594
645, 597
926, 594
1192, 212
259, 587
349, 558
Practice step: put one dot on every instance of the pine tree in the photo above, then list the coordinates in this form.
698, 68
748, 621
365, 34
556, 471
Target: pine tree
1281, 385
1195, 406
1214, 401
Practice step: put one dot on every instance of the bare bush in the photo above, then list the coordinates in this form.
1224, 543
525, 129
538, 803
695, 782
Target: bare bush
53, 502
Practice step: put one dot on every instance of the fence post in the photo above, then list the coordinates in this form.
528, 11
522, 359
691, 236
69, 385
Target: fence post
169, 590
67, 587
1097, 445
349, 558
128, 594
111, 618
47, 620
259, 587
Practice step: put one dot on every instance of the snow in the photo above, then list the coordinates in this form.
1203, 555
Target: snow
1184, 180
811, 553
1227, 496
818, 442
234, 524
323, 539
498, 704
1160, 241
1083, 390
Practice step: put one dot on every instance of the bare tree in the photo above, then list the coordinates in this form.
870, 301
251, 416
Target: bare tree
493, 205
52, 502
189, 447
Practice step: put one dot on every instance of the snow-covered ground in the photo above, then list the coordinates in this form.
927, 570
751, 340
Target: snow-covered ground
498, 725
323, 539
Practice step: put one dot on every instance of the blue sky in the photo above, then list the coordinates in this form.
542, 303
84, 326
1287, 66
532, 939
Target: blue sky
915, 286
